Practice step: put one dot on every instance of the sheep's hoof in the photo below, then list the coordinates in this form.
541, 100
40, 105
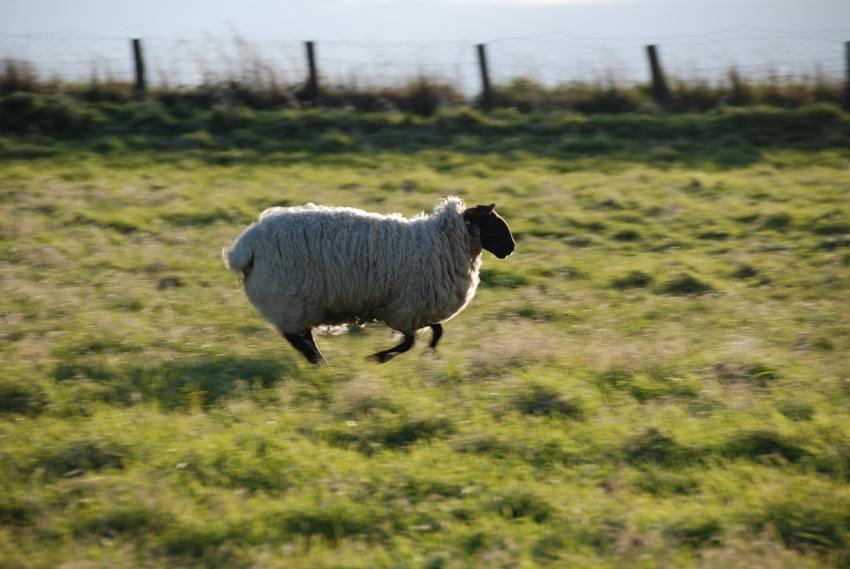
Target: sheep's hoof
381, 358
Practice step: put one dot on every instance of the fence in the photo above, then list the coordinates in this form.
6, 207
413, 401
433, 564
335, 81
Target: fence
546, 59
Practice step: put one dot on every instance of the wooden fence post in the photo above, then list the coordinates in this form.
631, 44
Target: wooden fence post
486, 91
847, 86
660, 92
311, 93
140, 87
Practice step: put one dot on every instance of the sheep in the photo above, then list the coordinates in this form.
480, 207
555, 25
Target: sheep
311, 265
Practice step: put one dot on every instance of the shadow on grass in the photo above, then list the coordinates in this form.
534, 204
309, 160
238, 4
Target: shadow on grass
177, 386
394, 432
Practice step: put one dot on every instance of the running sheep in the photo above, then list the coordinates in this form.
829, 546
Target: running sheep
311, 265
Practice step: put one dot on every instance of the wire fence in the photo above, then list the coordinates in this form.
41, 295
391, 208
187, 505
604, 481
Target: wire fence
551, 59
757, 54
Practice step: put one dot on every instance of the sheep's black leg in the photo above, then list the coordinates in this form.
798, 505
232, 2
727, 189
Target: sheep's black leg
305, 344
387, 355
438, 332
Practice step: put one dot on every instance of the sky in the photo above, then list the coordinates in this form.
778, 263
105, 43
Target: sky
408, 20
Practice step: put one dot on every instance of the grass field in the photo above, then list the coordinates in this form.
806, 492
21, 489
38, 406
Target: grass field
658, 377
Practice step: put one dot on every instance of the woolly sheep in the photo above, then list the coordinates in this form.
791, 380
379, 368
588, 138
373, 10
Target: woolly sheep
311, 265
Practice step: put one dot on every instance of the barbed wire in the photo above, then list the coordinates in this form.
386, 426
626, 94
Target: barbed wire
550, 59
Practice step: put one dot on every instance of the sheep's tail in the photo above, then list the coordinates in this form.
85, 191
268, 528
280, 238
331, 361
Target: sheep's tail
240, 255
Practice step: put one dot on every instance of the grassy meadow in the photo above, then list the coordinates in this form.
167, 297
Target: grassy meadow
658, 377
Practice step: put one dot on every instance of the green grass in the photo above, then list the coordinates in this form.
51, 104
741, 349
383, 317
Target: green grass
658, 377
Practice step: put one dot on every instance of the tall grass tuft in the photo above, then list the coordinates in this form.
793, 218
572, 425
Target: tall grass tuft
18, 75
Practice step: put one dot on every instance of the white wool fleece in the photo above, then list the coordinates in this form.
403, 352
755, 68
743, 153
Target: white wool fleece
315, 265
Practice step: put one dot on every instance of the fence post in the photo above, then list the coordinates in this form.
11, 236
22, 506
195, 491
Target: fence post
486, 91
847, 86
660, 92
140, 87
311, 93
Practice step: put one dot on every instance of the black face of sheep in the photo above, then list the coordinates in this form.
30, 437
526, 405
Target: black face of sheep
494, 232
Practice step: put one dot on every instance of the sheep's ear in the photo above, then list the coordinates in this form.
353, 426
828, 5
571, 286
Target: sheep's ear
479, 211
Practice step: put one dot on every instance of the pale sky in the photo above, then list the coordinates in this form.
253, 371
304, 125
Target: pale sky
406, 20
